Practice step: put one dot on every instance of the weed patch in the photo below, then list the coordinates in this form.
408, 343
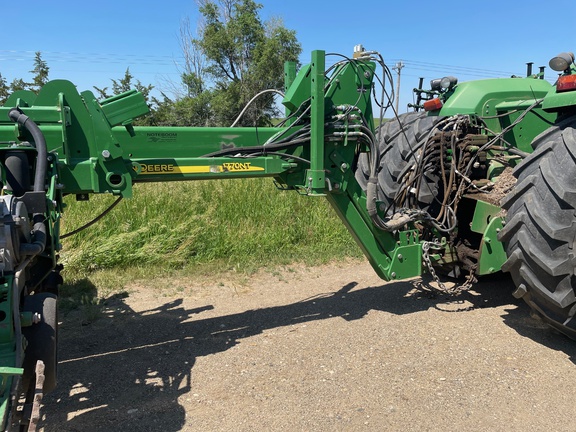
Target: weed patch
198, 227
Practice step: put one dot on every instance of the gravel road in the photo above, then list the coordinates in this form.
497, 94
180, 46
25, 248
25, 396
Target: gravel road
330, 348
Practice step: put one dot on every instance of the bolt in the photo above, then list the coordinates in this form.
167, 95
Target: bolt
36, 318
106, 154
367, 74
344, 166
336, 185
393, 275
400, 257
476, 165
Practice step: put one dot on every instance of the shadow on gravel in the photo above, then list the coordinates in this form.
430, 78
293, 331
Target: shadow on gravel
495, 291
127, 370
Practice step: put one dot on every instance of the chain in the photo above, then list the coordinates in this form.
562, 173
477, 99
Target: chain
470, 279
428, 262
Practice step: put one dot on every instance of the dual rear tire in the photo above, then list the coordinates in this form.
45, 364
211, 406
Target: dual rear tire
400, 142
540, 229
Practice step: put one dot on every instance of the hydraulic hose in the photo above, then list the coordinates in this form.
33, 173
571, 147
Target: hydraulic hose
371, 189
39, 235
39, 227
396, 222
42, 159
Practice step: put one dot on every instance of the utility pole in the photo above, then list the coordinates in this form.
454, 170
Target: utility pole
398, 68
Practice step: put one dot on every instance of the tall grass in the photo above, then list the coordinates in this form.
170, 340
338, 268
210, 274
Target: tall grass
202, 226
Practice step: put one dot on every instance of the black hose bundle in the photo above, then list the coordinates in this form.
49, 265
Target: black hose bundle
39, 228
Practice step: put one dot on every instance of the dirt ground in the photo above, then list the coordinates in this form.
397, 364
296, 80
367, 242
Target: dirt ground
329, 348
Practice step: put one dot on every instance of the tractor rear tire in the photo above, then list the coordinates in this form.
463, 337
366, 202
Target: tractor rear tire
400, 141
540, 229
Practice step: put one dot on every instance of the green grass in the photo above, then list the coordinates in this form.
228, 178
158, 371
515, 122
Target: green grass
198, 227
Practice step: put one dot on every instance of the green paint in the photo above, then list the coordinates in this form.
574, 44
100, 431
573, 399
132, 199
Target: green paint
94, 148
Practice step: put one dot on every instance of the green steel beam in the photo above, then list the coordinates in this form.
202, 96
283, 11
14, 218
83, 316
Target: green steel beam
289, 78
316, 175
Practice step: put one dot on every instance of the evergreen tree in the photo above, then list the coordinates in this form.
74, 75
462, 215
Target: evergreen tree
4, 90
18, 84
40, 73
125, 84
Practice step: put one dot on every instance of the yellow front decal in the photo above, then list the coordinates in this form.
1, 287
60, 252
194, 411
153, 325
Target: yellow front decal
240, 166
202, 169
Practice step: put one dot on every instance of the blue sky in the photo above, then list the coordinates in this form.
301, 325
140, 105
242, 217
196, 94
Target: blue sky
89, 43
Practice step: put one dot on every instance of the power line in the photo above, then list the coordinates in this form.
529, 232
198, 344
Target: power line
429, 65
72, 57
75, 54
170, 60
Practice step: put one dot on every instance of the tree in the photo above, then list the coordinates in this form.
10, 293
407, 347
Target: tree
4, 90
18, 84
125, 84
193, 76
39, 78
192, 103
40, 72
185, 111
244, 56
